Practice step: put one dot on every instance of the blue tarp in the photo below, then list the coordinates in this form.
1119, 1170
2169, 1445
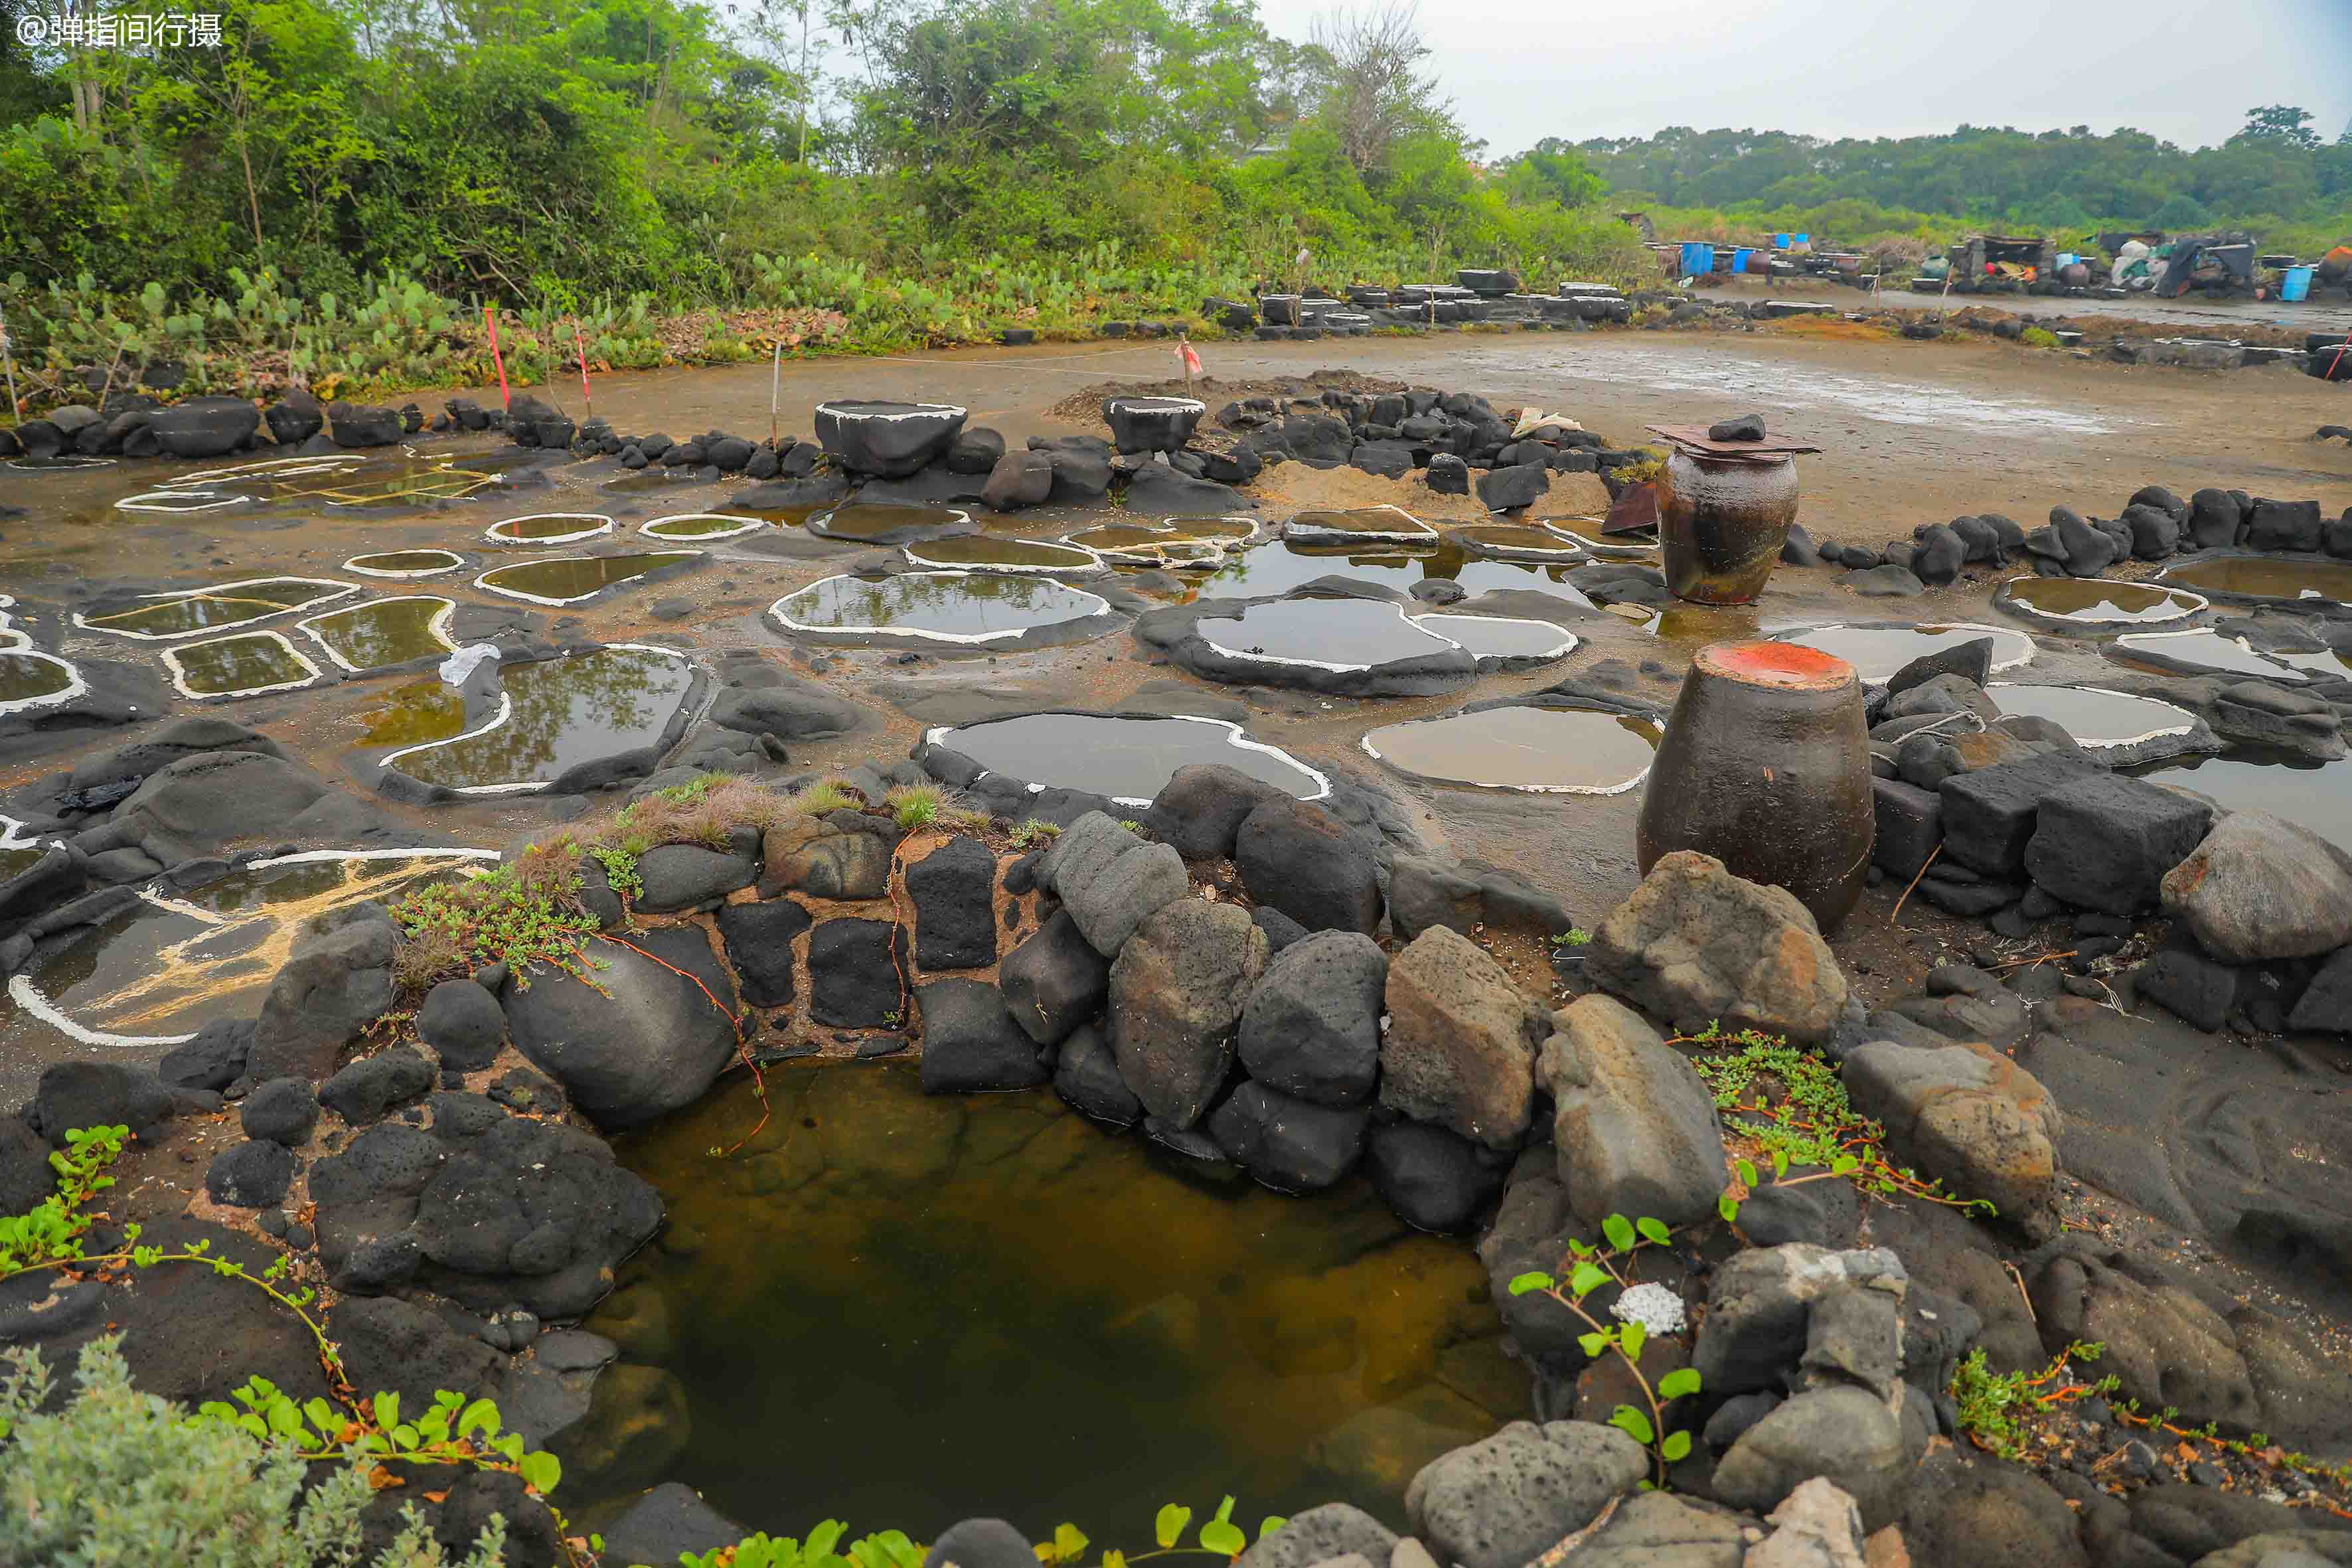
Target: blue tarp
1698, 259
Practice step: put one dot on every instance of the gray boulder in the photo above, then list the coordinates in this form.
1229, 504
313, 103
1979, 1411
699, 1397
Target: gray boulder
1312, 1027
253, 1174
1635, 1126
1847, 1435
362, 1091
72, 1096
1288, 1144
332, 985
1086, 1074
1504, 1502
1176, 993
1759, 1308
200, 803
1697, 945
1201, 807
677, 877
1970, 1115
282, 1111
1460, 1050
971, 1044
2105, 842
1054, 981
2260, 887
1319, 1534
463, 1023
1309, 865
645, 1039
1109, 880
953, 889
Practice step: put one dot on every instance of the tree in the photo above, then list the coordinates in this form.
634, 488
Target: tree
2279, 122
1375, 90
1550, 171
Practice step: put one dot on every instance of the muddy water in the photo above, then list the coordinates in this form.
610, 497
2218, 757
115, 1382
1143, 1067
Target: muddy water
559, 713
1878, 652
988, 1305
2094, 602
871, 521
411, 714
550, 528
384, 632
948, 606
2267, 577
702, 525
343, 479
230, 667
571, 579
1544, 750
990, 552
406, 563
1131, 760
2094, 717
1327, 634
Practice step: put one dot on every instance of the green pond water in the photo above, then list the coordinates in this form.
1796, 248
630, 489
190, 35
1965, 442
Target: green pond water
408, 562
228, 666
573, 578
1561, 749
384, 633
564, 712
547, 527
956, 606
986, 553
875, 522
702, 525
25, 678
1127, 759
902, 1310
205, 609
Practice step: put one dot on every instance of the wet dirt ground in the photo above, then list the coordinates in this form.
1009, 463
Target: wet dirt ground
1912, 433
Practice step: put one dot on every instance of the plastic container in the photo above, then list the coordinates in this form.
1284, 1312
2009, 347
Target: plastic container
1739, 258
2296, 288
1699, 258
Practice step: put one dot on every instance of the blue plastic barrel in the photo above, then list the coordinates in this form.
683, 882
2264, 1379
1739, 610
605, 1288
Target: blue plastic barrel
2297, 288
1740, 256
1804, 239
1699, 258
1780, 242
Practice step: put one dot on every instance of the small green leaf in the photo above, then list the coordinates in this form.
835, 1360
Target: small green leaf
323, 1416
1533, 1281
1219, 1536
1845, 1166
1677, 1447
1728, 1207
1225, 1509
1269, 1524
1633, 1337
1588, 1278
541, 1471
1168, 1527
1654, 1230
1633, 1423
387, 1409
1682, 1380
1593, 1343
482, 1415
403, 1438
1746, 1170
1780, 1163
1069, 1543
1620, 1232
1113, 1560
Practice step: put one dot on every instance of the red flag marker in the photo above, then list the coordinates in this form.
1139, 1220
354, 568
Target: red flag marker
584, 392
490, 320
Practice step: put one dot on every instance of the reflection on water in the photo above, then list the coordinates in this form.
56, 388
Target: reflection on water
1279, 568
410, 715
2267, 577
1129, 760
1563, 750
1351, 634
341, 479
1520, 539
986, 1305
994, 553
2096, 601
1493, 636
385, 632
1878, 652
2093, 717
550, 528
2209, 650
2318, 795
26, 677
556, 714
211, 609
569, 579
406, 563
1360, 522
956, 606
873, 520
253, 661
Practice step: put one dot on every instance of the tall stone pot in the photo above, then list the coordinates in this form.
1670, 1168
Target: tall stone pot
1722, 523
1765, 766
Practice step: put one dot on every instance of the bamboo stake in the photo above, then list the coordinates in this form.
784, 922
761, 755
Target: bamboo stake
9, 359
775, 388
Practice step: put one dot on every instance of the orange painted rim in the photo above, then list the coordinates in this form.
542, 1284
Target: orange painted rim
1787, 665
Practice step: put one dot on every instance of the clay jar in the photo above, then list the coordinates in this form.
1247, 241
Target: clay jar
1722, 523
1765, 766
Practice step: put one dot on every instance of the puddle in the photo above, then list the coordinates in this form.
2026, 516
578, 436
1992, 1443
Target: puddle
885, 523
184, 612
384, 632
1131, 760
406, 564
569, 579
1586, 532
173, 962
647, 481
986, 553
1279, 568
949, 1285
2317, 795
1727, 378
1693, 625
410, 715
2094, 602
246, 665
1520, 539
2098, 719
2206, 651
1548, 751
1369, 523
1323, 634
1878, 652
2287, 581
1496, 636
943, 606
781, 516
58, 464
705, 525
1175, 542
341, 479
32, 680
549, 528
554, 715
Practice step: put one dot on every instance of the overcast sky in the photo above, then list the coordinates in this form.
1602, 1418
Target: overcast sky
2186, 70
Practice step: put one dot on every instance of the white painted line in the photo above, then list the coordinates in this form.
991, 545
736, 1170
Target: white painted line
58, 464
1317, 663
736, 525
937, 736
2188, 723
1102, 607
1312, 534
221, 591
2009, 601
1561, 651
455, 560
484, 580
853, 409
202, 501
598, 521
179, 672
1087, 560
438, 625
26, 995
75, 685
504, 712
2278, 668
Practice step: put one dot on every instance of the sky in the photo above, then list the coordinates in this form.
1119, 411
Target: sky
2186, 70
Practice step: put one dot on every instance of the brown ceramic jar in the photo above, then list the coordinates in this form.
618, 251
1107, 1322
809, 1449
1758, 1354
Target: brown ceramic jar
1722, 521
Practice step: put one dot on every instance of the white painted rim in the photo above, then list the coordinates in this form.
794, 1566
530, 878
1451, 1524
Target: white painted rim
2187, 725
599, 523
843, 410
341, 590
179, 672
1089, 560
816, 519
1374, 753
936, 736
1159, 405
2304, 596
27, 995
438, 625
203, 500
1213, 552
776, 610
75, 686
1571, 551
2007, 599
2286, 671
1320, 664
484, 583
1310, 533
60, 463
504, 712
1561, 651
1789, 634
736, 525
455, 561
